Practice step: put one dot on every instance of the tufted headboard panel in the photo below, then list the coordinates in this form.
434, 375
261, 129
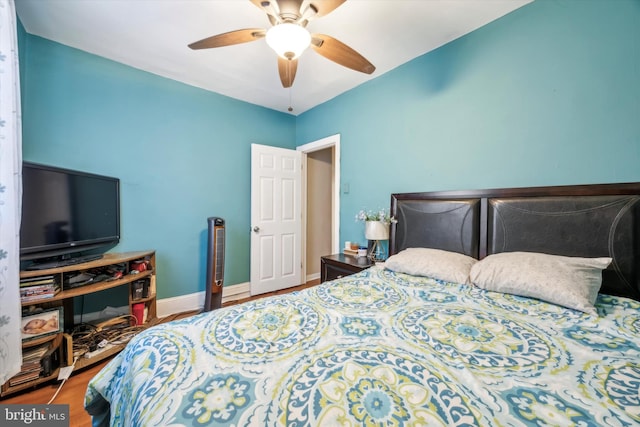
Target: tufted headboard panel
585, 226
450, 225
585, 220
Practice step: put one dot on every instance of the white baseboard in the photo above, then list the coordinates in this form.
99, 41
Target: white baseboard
236, 292
192, 302
314, 276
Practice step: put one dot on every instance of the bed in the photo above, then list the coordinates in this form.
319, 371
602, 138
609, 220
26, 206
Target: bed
471, 321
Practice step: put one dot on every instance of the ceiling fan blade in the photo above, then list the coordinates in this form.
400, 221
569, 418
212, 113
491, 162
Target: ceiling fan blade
340, 53
230, 38
287, 69
325, 7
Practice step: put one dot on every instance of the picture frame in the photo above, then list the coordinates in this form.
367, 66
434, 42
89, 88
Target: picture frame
40, 324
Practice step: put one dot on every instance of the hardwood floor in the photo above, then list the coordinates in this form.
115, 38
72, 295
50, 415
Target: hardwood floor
72, 392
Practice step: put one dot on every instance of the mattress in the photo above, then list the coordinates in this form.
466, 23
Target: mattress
380, 348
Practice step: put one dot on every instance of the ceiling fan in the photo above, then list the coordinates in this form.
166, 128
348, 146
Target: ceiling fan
289, 37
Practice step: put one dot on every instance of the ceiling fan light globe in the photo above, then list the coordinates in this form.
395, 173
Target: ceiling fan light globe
288, 40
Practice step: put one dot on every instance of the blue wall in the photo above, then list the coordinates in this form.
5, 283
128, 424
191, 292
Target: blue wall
182, 154
547, 95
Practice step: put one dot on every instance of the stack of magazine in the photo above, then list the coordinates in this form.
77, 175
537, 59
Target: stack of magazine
31, 367
37, 288
39, 361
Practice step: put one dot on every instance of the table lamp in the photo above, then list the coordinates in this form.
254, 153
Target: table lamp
376, 231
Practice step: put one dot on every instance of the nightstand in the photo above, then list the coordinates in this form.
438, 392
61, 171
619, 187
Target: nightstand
341, 265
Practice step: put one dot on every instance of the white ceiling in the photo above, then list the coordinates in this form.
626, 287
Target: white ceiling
153, 35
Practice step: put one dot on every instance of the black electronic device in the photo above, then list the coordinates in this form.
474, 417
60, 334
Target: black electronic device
215, 264
66, 212
50, 361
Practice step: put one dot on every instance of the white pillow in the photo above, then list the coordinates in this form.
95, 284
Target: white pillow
571, 282
435, 263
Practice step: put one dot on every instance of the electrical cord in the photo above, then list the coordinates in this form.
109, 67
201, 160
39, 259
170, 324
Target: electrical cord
87, 337
62, 383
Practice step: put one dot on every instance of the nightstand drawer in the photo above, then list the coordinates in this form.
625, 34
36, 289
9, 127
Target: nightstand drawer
340, 265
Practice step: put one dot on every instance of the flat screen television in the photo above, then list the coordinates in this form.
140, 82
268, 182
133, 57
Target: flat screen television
65, 213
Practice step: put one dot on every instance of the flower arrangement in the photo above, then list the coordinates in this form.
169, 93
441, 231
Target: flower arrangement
381, 215
376, 229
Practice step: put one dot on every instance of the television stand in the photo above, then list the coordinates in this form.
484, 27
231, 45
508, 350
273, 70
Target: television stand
141, 312
63, 262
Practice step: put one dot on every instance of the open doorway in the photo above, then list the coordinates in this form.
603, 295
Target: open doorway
321, 202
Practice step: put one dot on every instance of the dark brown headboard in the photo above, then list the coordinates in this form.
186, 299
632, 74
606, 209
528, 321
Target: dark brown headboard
584, 220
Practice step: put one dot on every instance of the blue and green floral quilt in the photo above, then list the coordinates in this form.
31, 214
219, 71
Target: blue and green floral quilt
380, 349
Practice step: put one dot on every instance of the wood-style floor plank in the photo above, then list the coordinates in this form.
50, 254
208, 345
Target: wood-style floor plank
73, 390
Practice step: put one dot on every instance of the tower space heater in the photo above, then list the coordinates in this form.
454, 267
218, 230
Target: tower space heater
215, 264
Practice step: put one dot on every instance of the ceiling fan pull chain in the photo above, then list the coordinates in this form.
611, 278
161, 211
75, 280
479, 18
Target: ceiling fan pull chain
290, 109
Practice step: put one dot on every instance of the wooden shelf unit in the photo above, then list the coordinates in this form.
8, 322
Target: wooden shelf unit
65, 298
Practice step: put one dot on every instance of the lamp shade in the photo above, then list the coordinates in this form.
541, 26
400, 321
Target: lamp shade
288, 40
376, 230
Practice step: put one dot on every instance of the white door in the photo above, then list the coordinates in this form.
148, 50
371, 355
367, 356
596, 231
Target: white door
276, 218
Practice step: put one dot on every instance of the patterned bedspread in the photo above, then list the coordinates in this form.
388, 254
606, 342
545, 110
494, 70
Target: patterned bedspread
380, 348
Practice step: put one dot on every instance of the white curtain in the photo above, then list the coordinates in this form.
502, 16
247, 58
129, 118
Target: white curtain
10, 194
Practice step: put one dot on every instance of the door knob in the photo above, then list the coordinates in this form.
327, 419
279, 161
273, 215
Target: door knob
256, 229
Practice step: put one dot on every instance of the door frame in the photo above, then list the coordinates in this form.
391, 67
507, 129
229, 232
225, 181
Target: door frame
321, 144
